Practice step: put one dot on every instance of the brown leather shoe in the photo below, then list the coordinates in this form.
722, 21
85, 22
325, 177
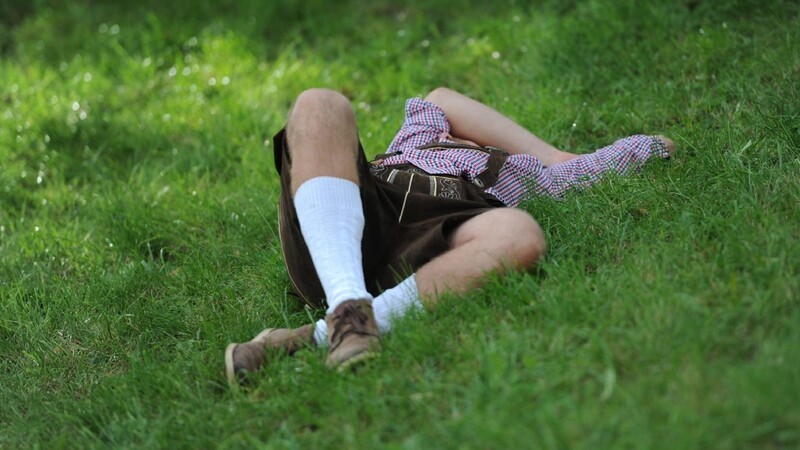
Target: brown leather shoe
352, 334
250, 356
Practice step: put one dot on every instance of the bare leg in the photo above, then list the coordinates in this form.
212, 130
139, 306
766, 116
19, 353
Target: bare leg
323, 137
477, 122
323, 140
324, 147
500, 240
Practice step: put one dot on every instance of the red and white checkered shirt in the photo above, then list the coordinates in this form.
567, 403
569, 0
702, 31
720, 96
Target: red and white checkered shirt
521, 175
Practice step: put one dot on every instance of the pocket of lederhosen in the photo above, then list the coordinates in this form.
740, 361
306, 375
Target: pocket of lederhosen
414, 179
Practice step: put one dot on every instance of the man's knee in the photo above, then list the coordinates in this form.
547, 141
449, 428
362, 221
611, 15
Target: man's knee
511, 235
521, 237
439, 95
321, 120
320, 100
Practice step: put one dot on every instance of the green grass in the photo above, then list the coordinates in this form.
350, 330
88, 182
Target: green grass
138, 226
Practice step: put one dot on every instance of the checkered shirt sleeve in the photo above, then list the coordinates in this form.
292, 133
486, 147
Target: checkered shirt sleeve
623, 157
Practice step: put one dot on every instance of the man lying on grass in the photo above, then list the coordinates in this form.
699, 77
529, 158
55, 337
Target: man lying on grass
434, 214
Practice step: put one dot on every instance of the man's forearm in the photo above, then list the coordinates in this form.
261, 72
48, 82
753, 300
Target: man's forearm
472, 120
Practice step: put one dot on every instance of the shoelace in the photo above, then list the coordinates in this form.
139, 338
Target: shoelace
352, 320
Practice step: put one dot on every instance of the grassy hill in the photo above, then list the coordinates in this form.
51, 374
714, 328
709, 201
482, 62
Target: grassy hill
138, 231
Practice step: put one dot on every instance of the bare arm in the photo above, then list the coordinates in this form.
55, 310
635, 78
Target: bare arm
483, 125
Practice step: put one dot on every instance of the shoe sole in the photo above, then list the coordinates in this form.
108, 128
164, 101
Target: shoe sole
230, 370
357, 360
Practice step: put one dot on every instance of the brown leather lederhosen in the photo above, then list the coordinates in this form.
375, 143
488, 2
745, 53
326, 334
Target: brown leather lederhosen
409, 217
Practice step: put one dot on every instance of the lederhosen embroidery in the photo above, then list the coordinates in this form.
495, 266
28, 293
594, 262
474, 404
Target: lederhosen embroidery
417, 180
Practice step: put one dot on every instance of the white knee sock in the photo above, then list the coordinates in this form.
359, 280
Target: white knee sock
393, 303
332, 222
396, 302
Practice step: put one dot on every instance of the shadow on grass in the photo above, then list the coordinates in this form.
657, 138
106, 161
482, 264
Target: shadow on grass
268, 26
